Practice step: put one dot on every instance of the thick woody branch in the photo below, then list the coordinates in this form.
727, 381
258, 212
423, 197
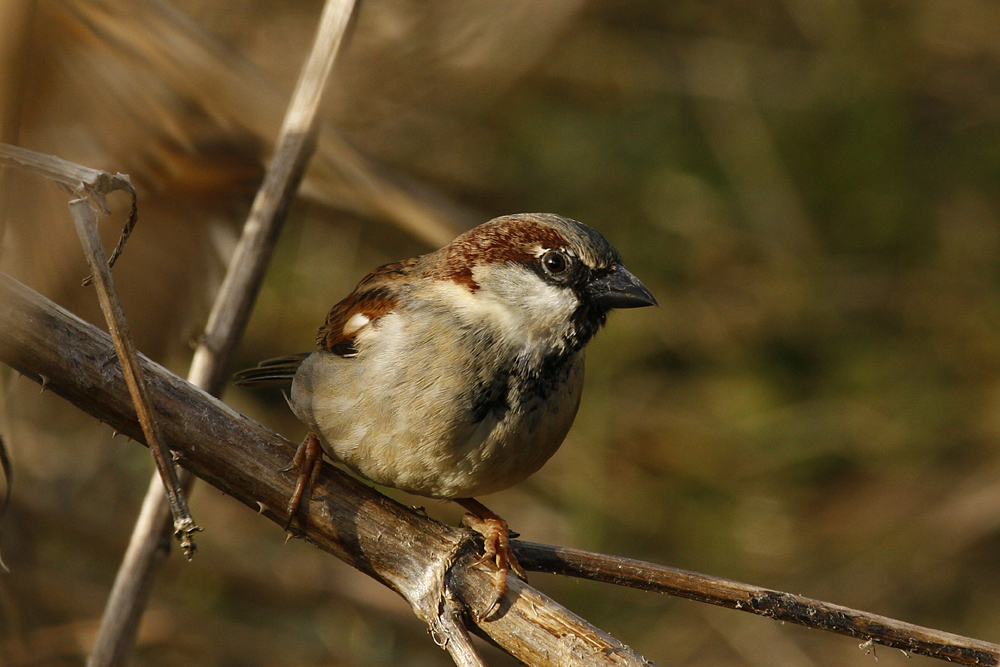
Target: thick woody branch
408, 552
427, 562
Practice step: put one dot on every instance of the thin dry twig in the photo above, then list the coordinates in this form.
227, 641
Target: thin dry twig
227, 321
86, 227
394, 544
86, 184
756, 600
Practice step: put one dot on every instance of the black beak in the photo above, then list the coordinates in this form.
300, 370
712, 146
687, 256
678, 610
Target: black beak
620, 289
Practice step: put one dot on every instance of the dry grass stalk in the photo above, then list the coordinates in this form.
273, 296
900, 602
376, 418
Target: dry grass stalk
227, 321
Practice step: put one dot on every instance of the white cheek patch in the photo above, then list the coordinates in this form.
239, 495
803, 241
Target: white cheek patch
527, 304
356, 321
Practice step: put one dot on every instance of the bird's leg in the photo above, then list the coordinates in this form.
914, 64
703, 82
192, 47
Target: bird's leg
307, 463
496, 545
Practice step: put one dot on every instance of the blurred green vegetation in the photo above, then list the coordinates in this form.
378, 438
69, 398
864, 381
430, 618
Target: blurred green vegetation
810, 189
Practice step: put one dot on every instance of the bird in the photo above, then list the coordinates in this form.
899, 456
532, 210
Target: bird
458, 373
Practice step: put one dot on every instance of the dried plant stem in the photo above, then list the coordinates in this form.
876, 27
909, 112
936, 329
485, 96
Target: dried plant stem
227, 321
295, 146
780, 606
86, 185
86, 226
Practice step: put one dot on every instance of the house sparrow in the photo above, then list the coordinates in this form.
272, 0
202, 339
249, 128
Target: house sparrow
458, 373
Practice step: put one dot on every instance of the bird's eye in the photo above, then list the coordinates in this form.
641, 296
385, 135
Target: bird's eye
555, 262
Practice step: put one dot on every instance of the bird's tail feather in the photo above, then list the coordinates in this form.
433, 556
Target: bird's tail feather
270, 373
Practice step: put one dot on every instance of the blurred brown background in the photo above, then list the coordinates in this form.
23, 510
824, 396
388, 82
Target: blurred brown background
809, 188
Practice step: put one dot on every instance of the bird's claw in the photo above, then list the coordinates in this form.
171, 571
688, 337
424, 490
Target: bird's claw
496, 551
308, 462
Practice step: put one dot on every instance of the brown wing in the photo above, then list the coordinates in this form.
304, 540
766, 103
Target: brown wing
376, 295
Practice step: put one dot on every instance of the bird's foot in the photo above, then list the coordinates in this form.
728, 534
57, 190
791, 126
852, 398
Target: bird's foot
307, 463
496, 547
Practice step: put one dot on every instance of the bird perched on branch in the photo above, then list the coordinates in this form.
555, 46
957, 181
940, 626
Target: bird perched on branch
458, 373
